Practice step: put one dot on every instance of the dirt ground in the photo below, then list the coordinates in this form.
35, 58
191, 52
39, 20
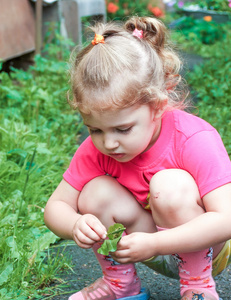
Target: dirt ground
87, 270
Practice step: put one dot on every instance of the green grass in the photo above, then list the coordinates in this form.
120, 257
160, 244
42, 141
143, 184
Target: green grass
38, 135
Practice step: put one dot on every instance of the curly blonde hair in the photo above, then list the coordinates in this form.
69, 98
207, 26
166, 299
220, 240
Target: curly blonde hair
127, 70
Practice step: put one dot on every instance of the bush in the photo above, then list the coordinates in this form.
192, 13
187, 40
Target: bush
207, 32
210, 84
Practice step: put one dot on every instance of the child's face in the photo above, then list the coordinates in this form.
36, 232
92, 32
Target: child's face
123, 134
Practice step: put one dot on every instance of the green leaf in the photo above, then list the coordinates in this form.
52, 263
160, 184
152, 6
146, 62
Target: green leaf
4, 276
43, 241
114, 235
18, 152
12, 244
115, 231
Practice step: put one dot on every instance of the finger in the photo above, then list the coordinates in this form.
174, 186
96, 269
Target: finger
123, 244
121, 254
83, 246
84, 238
98, 228
121, 260
91, 234
88, 229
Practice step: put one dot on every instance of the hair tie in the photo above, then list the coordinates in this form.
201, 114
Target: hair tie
98, 39
138, 33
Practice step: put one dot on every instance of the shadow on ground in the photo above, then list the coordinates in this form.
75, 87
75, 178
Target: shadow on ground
86, 270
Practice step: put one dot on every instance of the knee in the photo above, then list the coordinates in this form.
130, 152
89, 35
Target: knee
95, 196
170, 187
174, 196
105, 198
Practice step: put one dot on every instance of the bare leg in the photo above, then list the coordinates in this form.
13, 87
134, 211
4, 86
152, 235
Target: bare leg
175, 200
112, 203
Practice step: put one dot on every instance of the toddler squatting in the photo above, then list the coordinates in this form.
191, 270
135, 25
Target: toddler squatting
148, 164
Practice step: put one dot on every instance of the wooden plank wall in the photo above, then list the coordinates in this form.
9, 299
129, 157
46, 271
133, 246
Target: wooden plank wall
17, 28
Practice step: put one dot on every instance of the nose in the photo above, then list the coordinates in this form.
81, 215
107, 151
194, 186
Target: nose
110, 142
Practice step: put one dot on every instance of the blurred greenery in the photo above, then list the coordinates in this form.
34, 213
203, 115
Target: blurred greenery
216, 5
122, 9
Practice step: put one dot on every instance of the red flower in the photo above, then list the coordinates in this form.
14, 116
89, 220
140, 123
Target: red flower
157, 12
112, 8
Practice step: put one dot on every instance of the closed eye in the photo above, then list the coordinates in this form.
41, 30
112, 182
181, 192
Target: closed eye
119, 130
94, 131
124, 130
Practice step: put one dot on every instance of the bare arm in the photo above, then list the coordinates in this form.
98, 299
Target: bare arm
206, 230
61, 210
62, 217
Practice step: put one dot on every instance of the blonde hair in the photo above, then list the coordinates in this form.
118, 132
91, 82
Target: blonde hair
127, 70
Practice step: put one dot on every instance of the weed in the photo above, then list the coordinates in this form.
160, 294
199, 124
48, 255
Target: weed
38, 134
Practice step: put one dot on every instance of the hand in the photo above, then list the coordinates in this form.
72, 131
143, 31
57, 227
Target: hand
88, 230
134, 247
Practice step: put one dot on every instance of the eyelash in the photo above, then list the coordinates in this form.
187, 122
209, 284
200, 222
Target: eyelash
122, 131
92, 131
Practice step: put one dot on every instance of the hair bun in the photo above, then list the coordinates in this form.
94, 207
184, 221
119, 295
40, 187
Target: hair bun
154, 31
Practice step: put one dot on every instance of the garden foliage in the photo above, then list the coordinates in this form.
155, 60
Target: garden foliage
210, 81
122, 9
38, 133
204, 32
211, 87
216, 5
191, 43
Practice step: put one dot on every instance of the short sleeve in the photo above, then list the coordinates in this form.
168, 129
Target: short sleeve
85, 165
204, 156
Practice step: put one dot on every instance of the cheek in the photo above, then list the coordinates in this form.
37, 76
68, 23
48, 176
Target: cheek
135, 142
96, 141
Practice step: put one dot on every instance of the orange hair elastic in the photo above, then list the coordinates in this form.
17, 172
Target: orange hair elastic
98, 39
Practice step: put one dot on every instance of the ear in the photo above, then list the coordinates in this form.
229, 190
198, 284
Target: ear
158, 112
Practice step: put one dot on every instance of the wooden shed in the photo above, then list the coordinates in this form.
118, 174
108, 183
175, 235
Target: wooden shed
17, 28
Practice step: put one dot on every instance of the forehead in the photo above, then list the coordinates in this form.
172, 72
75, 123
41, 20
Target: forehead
117, 117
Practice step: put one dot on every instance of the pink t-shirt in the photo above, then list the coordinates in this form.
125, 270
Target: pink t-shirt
185, 142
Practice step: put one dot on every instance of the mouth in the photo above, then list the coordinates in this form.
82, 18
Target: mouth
117, 155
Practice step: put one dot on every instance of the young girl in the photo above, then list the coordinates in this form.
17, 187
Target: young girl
160, 171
